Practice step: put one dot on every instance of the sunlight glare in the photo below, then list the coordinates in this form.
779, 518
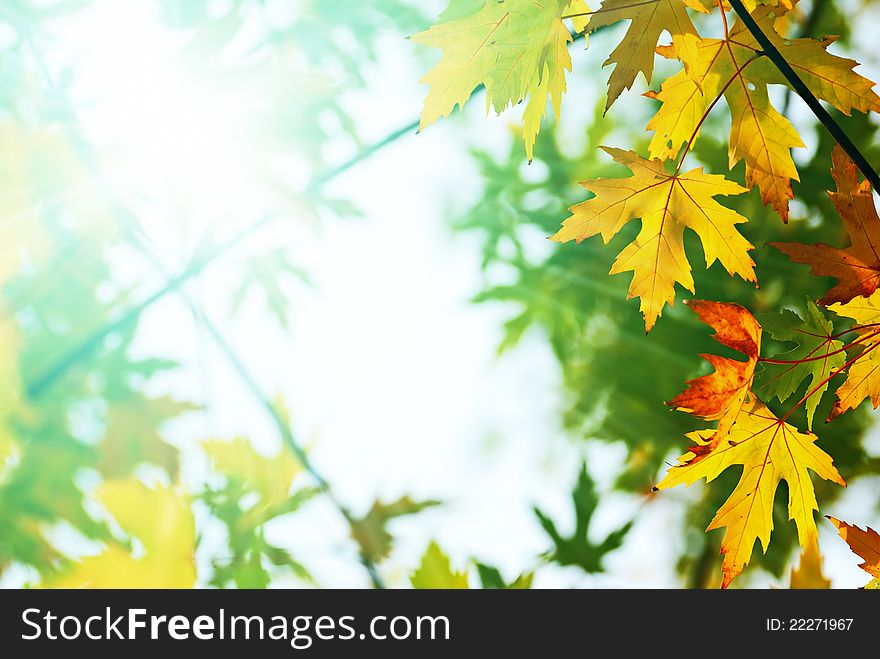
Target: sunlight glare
176, 141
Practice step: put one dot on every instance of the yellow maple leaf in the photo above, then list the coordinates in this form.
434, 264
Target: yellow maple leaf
865, 543
808, 574
648, 20
435, 572
863, 376
751, 5
270, 477
162, 521
517, 50
770, 451
830, 77
760, 135
667, 204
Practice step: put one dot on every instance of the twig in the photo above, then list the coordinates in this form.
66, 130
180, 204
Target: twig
806, 30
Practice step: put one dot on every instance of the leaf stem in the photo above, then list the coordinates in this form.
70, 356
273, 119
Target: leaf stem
854, 328
712, 105
826, 380
770, 360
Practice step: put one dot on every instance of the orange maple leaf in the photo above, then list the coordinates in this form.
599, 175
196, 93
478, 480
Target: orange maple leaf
720, 396
864, 543
857, 267
770, 451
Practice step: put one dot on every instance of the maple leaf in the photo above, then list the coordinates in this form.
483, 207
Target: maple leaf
667, 204
830, 77
578, 549
133, 434
760, 135
864, 543
817, 352
808, 574
518, 50
751, 5
863, 376
435, 572
257, 490
720, 395
270, 477
857, 267
162, 522
491, 579
370, 532
648, 20
770, 451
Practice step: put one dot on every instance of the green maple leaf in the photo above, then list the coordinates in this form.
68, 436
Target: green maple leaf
516, 49
492, 579
577, 549
812, 335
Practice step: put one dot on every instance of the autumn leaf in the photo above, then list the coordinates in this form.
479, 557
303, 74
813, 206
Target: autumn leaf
435, 572
270, 477
370, 531
770, 451
648, 21
817, 355
752, 4
162, 522
857, 267
667, 204
758, 133
732, 67
133, 435
830, 77
720, 395
808, 574
516, 50
864, 543
863, 376
258, 489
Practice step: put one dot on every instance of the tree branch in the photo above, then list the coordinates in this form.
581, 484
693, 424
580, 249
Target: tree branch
809, 98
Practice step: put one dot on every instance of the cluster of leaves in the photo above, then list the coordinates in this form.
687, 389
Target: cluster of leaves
83, 441
591, 334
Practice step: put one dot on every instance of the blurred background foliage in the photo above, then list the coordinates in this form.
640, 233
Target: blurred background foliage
83, 450
76, 410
